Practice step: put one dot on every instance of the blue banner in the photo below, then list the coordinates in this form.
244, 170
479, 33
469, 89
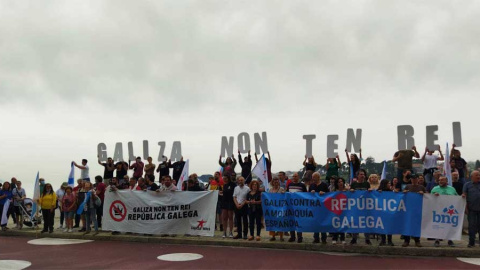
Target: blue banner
352, 212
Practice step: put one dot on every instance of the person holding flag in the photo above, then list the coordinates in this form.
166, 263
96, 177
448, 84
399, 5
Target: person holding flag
183, 177
268, 164
262, 169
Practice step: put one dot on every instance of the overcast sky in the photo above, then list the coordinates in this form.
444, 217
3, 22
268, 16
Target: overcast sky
77, 73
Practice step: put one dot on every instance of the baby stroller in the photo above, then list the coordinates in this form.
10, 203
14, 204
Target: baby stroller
26, 209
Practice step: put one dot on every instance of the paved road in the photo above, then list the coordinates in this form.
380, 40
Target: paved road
128, 255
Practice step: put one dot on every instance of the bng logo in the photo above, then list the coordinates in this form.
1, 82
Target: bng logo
447, 216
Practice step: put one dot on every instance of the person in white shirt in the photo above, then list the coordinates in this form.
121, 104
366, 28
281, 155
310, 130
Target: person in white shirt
430, 163
60, 193
239, 198
84, 170
167, 184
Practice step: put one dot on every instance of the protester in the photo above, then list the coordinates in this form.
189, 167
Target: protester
177, 169
385, 186
5, 194
137, 167
151, 185
228, 166
246, 165
60, 192
240, 199
394, 184
430, 163
122, 170
354, 162
309, 164
432, 184
268, 161
19, 196
276, 188
404, 160
360, 184
456, 184
373, 181
254, 202
100, 189
471, 191
163, 168
108, 171
332, 166
76, 190
335, 237
150, 168
415, 188
84, 169
141, 185
421, 180
69, 207
321, 188
283, 180
227, 205
215, 183
443, 189
89, 208
47, 202
460, 164
80, 195
167, 185
193, 186
294, 187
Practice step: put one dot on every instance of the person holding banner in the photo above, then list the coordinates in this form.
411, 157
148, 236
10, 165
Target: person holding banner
276, 188
416, 188
296, 186
443, 189
240, 199
5, 199
471, 191
373, 181
254, 202
246, 165
360, 184
48, 202
167, 185
385, 186
321, 188
341, 188
458, 186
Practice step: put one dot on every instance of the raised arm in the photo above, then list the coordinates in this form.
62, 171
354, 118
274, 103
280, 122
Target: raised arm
305, 161
78, 166
240, 158
338, 160
348, 156
441, 154
414, 148
424, 154
256, 157
361, 154
269, 157
220, 162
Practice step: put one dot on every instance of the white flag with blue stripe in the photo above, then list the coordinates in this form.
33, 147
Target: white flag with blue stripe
183, 176
384, 171
447, 169
36, 196
260, 171
71, 176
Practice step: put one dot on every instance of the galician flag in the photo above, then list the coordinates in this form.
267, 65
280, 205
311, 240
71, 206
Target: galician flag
71, 176
384, 171
36, 196
447, 170
183, 176
260, 171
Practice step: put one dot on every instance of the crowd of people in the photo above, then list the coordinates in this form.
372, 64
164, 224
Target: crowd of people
239, 207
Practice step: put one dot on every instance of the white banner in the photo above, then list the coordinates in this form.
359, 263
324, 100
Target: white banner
167, 212
442, 216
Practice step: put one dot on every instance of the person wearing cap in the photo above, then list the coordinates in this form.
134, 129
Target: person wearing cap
137, 167
68, 208
60, 192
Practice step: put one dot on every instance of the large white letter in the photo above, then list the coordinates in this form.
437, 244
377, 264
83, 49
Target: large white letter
308, 140
405, 137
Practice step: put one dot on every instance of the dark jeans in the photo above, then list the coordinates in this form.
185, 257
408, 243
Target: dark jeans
242, 219
1, 214
77, 219
316, 236
299, 235
62, 217
90, 218
473, 225
407, 239
355, 236
48, 218
99, 215
386, 237
336, 235
255, 218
